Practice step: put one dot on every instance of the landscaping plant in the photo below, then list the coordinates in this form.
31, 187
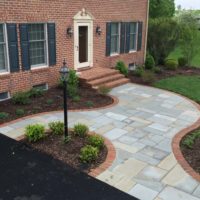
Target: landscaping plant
103, 90
72, 84
4, 115
81, 130
20, 112
171, 64
122, 68
89, 104
50, 101
35, 132
139, 71
21, 98
148, 77
76, 98
35, 92
88, 154
149, 62
57, 128
189, 140
96, 141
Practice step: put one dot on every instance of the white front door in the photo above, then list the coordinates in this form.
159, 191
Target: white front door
83, 41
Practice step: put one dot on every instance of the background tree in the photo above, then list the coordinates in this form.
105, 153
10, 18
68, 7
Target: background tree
161, 8
162, 37
189, 34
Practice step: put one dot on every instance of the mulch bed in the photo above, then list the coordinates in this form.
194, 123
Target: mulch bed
87, 95
68, 152
192, 155
167, 73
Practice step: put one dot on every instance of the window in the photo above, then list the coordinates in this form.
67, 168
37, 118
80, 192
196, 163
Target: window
43, 86
3, 49
4, 96
115, 38
133, 36
37, 44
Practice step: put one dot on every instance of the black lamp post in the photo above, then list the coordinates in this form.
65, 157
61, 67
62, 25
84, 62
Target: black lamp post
64, 72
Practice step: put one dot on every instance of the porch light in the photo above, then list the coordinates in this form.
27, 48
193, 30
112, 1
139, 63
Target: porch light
69, 31
98, 30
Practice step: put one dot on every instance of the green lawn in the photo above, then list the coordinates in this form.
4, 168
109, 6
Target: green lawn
188, 86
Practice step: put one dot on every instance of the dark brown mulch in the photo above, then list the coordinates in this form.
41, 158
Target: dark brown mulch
192, 155
40, 104
167, 73
69, 152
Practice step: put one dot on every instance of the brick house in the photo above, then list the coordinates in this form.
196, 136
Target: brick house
36, 35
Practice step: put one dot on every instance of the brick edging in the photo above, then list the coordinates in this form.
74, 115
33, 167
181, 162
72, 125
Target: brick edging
115, 102
108, 162
176, 145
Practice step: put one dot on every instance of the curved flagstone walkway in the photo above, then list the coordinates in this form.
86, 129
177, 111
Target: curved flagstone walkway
141, 127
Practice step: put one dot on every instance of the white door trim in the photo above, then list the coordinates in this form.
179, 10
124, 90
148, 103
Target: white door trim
83, 20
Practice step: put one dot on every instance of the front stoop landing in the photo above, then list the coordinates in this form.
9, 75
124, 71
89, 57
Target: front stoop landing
99, 76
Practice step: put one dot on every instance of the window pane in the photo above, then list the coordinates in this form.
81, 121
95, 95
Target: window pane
36, 32
133, 28
2, 57
37, 53
133, 42
1, 33
114, 28
114, 44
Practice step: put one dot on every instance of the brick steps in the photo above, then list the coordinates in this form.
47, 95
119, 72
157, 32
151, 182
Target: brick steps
98, 76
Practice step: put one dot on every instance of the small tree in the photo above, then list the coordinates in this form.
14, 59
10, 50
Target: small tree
189, 35
162, 38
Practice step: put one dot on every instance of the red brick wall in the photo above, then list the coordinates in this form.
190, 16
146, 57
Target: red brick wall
62, 12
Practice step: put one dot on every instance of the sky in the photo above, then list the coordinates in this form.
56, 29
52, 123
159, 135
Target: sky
189, 4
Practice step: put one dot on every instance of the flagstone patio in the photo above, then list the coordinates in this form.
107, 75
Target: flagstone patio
141, 127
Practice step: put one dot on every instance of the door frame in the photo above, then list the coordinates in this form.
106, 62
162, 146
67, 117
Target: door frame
83, 19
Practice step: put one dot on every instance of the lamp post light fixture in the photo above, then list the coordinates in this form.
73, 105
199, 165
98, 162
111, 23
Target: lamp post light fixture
64, 72
70, 32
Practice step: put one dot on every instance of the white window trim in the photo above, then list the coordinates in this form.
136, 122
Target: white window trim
136, 42
46, 64
5, 35
119, 42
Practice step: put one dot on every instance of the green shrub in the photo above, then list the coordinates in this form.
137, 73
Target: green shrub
171, 64
148, 77
20, 112
35, 132
4, 115
157, 70
103, 90
89, 104
57, 128
72, 84
21, 98
182, 62
138, 72
149, 62
50, 101
189, 140
76, 98
35, 92
122, 68
88, 154
81, 130
96, 141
